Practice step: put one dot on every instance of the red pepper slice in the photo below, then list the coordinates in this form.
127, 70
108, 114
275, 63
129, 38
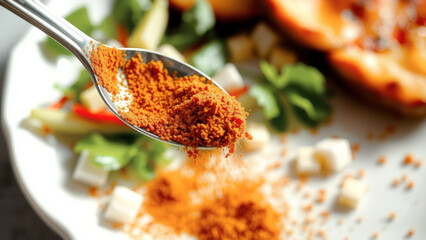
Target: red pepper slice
123, 34
59, 104
103, 116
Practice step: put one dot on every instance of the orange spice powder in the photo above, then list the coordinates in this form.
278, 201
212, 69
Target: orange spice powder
189, 110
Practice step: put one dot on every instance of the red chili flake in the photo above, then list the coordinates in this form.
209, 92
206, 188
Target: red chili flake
248, 136
239, 121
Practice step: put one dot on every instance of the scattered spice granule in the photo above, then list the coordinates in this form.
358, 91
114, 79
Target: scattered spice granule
340, 221
283, 152
325, 214
361, 173
382, 160
355, 148
283, 138
418, 163
408, 159
334, 136
314, 131
294, 131
392, 216
410, 184
307, 208
93, 191
370, 136
410, 233
375, 235
321, 196
117, 225
404, 177
189, 110
322, 234
359, 220
390, 129
395, 182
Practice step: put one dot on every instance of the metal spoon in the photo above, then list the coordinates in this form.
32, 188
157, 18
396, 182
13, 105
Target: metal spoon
74, 40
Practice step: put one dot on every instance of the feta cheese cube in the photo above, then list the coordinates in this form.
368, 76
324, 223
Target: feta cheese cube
280, 56
352, 192
334, 154
123, 206
114, 43
240, 48
261, 137
306, 163
171, 52
87, 172
92, 100
264, 39
229, 78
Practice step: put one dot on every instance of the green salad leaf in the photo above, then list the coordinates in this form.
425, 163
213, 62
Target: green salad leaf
80, 19
129, 12
117, 151
299, 90
199, 19
265, 98
196, 23
210, 58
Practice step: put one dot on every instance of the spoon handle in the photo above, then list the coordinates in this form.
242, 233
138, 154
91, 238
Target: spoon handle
37, 14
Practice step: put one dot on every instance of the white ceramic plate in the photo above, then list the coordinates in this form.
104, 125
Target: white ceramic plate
43, 166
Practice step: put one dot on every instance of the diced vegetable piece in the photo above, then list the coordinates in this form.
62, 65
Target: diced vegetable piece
264, 39
229, 78
306, 163
171, 52
92, 100
87, 172
241, 48
261, 137
210, 58
280, 56
334, 154
63, 121
110, 154
352, 192
114, 43
123, 206
150, 29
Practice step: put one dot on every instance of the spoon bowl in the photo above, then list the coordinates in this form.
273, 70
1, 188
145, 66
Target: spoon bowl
75, 41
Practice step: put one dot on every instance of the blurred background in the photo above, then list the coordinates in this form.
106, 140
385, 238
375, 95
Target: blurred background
17, 219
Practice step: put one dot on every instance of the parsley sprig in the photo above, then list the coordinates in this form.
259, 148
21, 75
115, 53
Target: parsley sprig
299, 90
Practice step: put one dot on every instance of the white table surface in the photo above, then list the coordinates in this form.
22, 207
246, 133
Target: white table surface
17, 219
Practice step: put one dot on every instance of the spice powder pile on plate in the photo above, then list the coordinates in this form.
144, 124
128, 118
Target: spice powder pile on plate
189, 110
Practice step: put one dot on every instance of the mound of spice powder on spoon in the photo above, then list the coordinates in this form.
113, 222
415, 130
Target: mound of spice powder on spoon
189, 110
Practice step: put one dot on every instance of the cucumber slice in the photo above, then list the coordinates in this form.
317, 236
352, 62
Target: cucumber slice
150, 29
62, 121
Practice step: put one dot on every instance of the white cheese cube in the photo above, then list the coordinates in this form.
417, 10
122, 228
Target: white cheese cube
171, 52
87, 172
240, 48
334, 154
352, 192
261, 137
123, 206
264, 39
280, 56
229, 78
114, 43
306, 163
92, 100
